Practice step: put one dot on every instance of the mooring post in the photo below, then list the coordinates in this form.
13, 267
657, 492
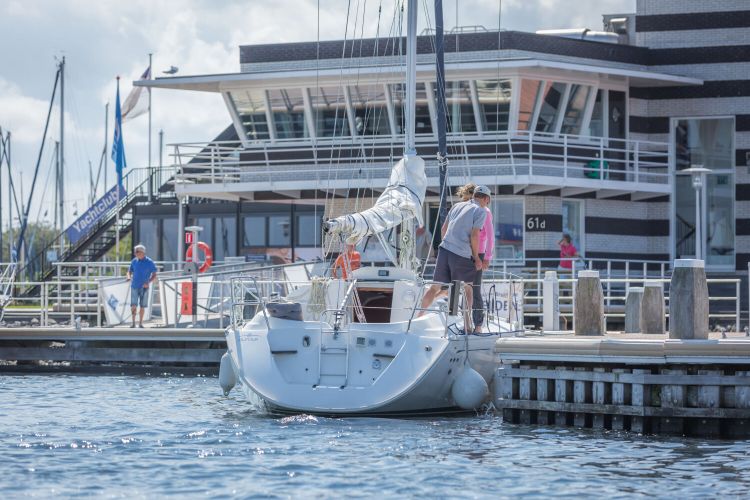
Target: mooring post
633, 310
653, 318
589, 304
688, 300
551, 302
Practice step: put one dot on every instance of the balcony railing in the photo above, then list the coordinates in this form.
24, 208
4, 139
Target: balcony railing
561, 160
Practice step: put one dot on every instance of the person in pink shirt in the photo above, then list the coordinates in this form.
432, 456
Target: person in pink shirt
486, 247
567, 250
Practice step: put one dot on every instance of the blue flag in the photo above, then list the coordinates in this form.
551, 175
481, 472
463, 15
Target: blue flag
118, 148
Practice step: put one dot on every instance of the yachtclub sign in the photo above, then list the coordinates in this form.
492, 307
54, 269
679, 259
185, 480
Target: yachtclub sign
90, 217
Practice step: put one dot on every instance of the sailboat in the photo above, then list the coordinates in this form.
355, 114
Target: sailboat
362, 345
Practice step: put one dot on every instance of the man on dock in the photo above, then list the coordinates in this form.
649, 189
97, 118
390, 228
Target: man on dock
458, 254
141, 274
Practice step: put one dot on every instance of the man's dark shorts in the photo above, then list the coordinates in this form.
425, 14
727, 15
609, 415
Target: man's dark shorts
450, 266
139, 296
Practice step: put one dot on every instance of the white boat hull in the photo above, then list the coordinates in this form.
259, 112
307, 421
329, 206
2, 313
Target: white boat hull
369, 369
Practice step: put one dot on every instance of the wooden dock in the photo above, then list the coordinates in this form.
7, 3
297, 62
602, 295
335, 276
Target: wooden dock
639, 383
91, 346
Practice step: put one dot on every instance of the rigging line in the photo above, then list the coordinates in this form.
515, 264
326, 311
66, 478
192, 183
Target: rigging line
39, 159
341, 75
351, 56
46, 185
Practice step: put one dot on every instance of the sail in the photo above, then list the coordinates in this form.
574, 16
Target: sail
401, 201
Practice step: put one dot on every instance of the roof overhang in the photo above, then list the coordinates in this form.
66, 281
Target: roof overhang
639, 76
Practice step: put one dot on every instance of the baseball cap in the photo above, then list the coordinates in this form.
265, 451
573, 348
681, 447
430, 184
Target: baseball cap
482, 190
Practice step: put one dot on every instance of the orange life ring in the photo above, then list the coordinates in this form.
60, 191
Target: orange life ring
206, 251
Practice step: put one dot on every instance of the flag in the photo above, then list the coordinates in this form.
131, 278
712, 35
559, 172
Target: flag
118, 148
136, 103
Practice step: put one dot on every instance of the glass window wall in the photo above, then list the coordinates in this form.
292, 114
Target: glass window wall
596, 125
710, 143
308, 230
459, 110
508, 218
494, 102
279, 231
527, 102
423, 122
169, 239
329, 112
254, 231
575, 109
225, 241
572, 222
148, 236
704, 142
370, 111
288, 110
551, 104
251, 107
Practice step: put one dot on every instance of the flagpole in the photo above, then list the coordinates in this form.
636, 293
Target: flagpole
150, 168
117, 190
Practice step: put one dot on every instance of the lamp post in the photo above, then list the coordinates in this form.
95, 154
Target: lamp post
698, 173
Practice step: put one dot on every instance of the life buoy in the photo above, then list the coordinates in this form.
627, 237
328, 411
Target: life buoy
209, 256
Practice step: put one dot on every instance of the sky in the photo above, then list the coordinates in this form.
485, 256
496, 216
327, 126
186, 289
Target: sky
102, 39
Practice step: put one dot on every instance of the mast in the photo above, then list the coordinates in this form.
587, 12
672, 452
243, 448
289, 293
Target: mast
410, 148
150, 167
442, 154
61, 179
106, 131
57, 182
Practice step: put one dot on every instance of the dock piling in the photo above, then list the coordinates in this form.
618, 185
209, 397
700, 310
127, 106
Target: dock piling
688, 301
633, 309
653, 317
588, 310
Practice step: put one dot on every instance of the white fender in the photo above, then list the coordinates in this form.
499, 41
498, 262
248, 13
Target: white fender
469, 390
227, 377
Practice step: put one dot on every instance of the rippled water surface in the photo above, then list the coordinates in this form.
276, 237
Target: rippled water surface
173, 435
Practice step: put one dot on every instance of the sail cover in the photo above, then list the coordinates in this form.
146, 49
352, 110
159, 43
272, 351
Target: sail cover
401, 201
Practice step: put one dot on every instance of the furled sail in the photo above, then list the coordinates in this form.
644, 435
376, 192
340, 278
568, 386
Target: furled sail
400, 202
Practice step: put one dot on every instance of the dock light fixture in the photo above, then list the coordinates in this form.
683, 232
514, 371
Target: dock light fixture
698, 173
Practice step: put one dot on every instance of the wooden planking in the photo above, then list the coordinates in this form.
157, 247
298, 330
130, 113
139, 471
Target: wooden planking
112, 354
672, 399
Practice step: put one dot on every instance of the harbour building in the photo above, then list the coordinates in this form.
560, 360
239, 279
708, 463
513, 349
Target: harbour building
588, 133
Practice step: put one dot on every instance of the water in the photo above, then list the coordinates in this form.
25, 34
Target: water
172, 435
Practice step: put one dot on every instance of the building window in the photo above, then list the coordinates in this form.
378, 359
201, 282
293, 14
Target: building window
170, 239
225, 242
527, 103
422, 120
459, 109
370, 110
494, 102
575, 109
329, 112
551, 107
288, 110
596, 125
709, 143
572, 222
148, 236
508, 218
251, 108
308, 230
617, 115
279, 231
704, 142
254, 231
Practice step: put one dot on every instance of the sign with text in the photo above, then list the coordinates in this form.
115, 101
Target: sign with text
543, 222
505, 299
90, 217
